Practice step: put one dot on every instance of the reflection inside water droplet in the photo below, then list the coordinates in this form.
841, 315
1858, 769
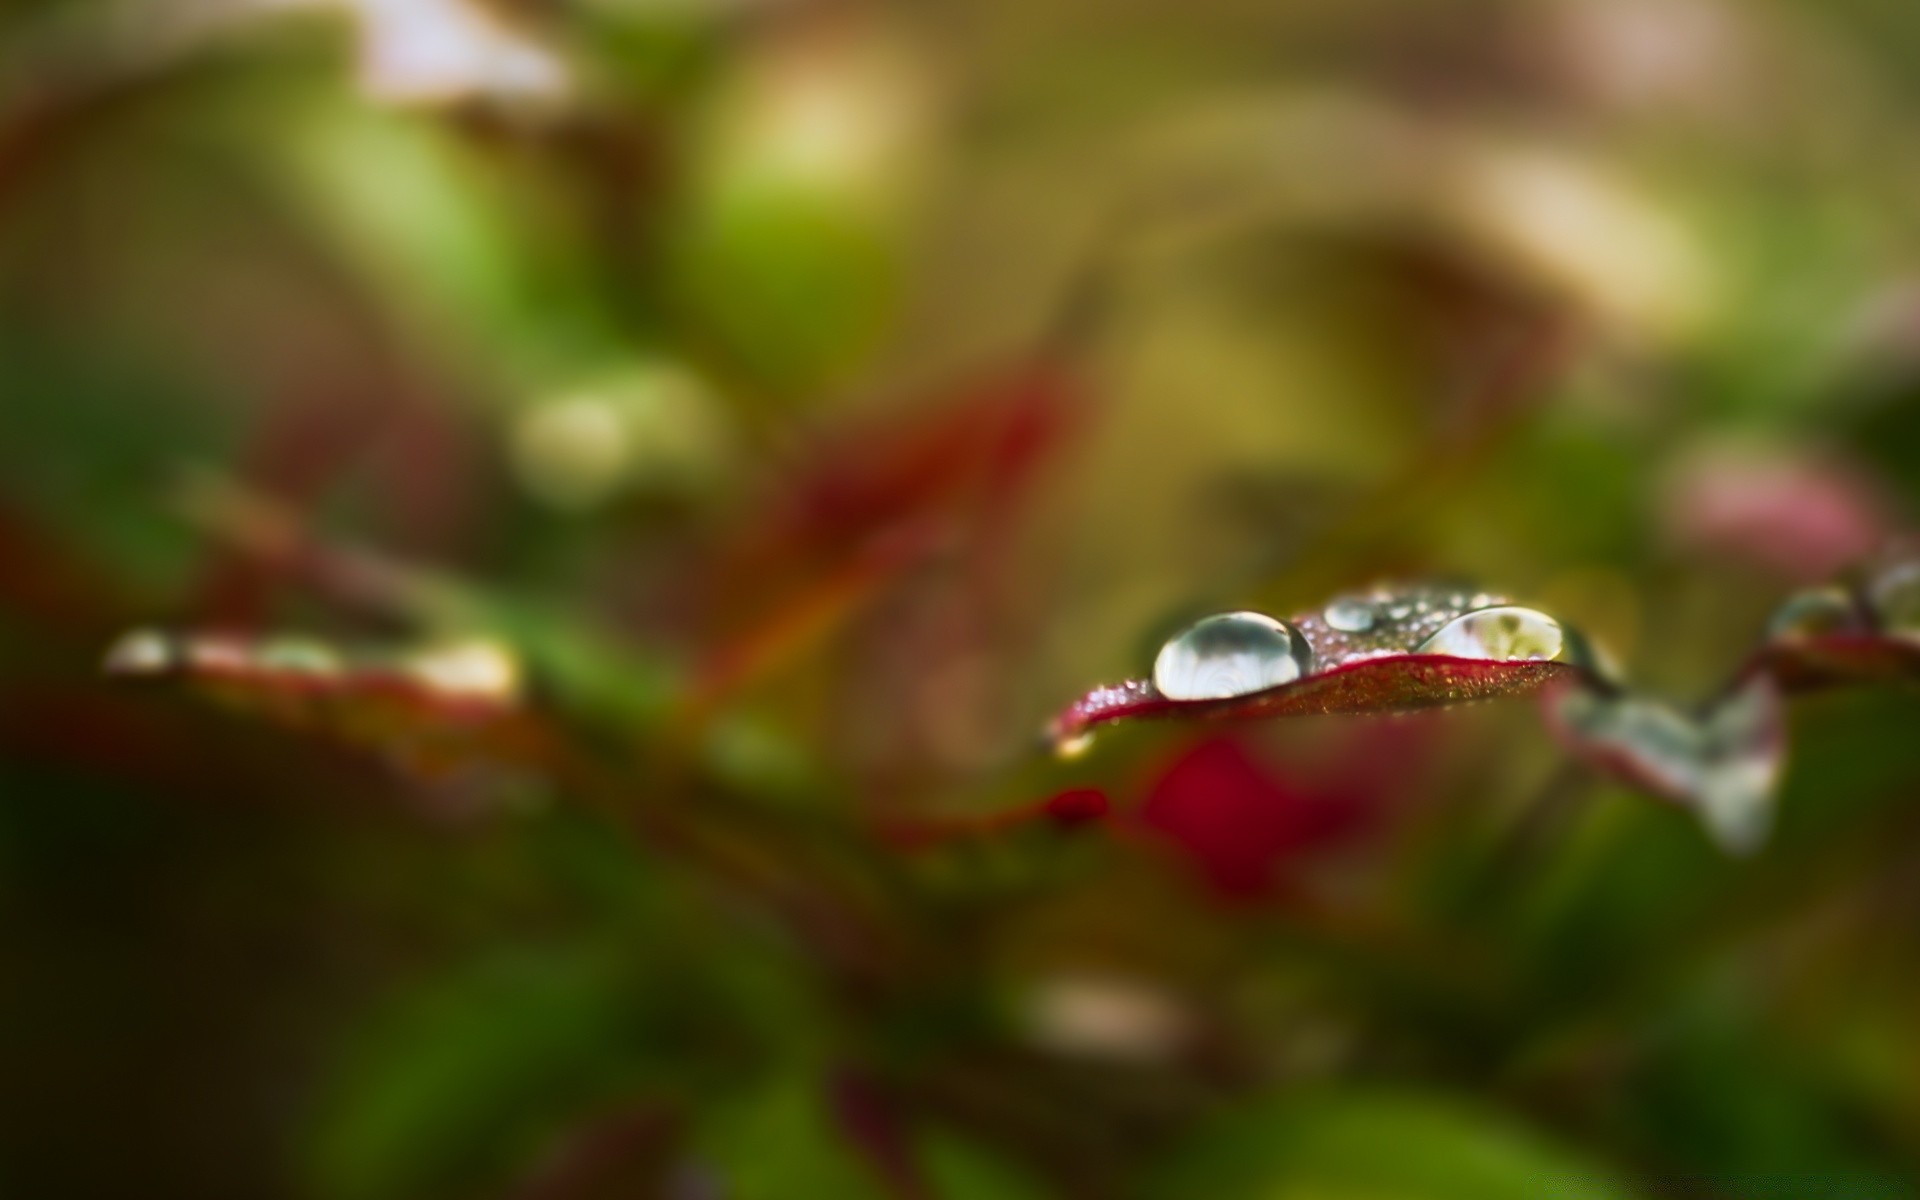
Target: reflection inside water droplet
1504, 633
1232, 654
1349, 614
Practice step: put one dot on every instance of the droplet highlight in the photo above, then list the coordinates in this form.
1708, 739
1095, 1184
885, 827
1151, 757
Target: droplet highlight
1233, 654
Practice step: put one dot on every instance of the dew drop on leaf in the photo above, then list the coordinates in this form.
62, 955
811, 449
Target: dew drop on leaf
1504, 633
1232, 654
1815, 612
140, 652
1894, 594
1349, 614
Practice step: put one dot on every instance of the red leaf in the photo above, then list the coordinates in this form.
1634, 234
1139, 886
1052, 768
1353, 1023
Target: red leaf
1240, 822
1396, 684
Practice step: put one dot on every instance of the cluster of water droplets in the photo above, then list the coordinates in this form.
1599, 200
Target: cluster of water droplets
1238, 654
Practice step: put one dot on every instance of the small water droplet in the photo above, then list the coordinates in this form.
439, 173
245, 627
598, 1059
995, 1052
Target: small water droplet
1349, 614
1815, 612
1507, 632
1232, 654
1894, 594
139, 652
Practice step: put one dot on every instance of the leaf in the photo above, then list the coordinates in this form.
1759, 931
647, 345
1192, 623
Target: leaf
436, 711
1724, 763
1389, 650
1395, 684
465, 1080
1376, 1145
781, 1141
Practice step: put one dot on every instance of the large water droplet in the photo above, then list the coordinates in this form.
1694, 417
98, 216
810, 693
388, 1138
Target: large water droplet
1894, 594
1815, 612
1350, 614
1504, 633
1232, 654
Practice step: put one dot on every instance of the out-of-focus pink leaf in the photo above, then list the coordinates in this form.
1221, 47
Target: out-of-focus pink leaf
1799, 516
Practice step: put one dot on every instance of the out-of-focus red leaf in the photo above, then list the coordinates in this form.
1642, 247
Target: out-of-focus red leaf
1077, 806
1801, 517
420, 714
1069, 809
870, 504
1240, 822
869, 1118
627, 1152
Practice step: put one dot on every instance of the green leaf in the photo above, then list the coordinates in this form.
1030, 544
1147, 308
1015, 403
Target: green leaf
1376, 1145
465, 1079
779, 1141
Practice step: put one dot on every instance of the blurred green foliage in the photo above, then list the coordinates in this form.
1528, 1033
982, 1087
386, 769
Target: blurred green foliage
786, 407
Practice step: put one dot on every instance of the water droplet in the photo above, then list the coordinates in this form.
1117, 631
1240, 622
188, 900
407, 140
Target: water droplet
1504, 633
1349, 614
1232, 654
1894, 594
481, 669
1815, 612
139, 652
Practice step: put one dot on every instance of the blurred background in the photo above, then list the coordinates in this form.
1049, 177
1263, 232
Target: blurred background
743, 422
